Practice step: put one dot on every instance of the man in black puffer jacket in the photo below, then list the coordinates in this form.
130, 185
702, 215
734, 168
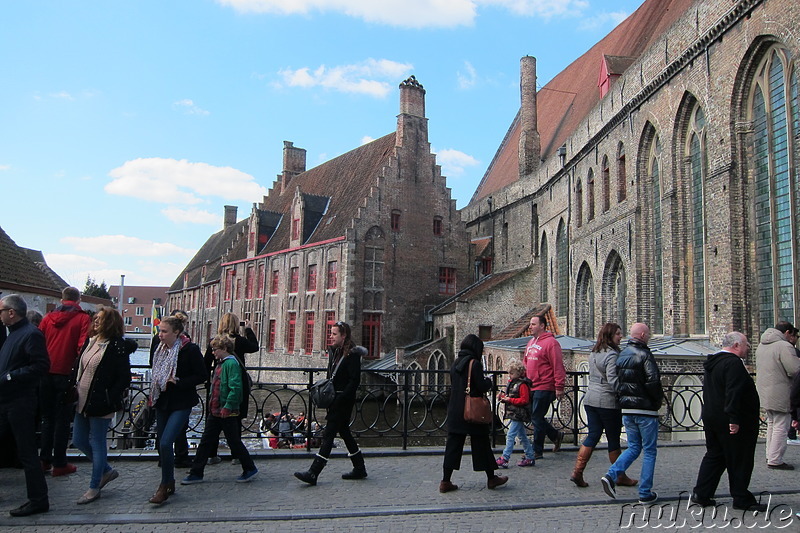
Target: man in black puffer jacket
640, 396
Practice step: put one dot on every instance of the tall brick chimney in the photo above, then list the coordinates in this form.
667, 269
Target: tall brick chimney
294, 163
230, 216
530, 148
412, 126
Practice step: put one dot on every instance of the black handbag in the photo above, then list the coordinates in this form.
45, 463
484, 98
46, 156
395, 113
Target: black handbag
323, 392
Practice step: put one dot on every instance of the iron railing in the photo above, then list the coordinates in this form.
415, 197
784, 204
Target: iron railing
395, 408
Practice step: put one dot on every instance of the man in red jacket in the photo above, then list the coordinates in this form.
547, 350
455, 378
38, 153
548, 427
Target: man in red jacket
545, 369
65, 331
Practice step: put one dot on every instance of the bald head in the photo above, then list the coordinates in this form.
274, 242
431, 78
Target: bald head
641, 332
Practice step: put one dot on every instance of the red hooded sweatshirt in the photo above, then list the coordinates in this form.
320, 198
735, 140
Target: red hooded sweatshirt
544, 363
65, 331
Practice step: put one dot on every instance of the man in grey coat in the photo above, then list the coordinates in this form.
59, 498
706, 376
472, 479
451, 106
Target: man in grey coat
776, 365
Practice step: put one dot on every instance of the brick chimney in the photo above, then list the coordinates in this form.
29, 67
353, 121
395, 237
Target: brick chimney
530, 149
294, 163
230, 216
412, 126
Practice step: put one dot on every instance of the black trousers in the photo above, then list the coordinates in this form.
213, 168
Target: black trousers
232, 429
340, 425
482, 456
733, 453
56, 418
18, 417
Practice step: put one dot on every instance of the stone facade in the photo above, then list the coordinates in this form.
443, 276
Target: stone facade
674, 200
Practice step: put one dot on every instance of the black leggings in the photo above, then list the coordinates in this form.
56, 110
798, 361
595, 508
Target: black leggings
342, 427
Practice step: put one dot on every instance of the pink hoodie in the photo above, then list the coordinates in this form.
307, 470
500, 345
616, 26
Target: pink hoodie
544, 363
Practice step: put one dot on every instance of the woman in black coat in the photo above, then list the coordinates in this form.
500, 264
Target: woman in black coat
177, 371
344, 359
104, 372
457, 428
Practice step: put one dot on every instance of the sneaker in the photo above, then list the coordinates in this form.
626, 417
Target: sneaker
502, 462
192, 479
648, 499
537, 456
609, 486
235, 461
247, 476
526, 462
66, 470
214, 460
793, 442
782, 466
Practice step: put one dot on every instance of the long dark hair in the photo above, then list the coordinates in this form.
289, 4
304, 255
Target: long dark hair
605, 339
345, 329
472, 343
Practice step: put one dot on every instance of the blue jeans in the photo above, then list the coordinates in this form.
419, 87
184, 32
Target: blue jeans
89, 436
516, 429
642, 435
541, 427
168, 425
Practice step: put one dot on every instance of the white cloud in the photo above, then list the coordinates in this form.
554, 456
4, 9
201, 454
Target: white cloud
191, 216
124, 245
468, 79
189, 108
171, 181
366, 139
371, 77
5, 167
601, 20
404, 13
62, 95
454, 162
411, 13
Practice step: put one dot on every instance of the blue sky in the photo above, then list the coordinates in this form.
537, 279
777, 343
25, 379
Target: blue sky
126, 126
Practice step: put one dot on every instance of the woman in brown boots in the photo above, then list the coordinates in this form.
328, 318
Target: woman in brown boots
602, 410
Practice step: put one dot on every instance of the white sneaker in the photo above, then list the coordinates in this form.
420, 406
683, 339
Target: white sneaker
793, 442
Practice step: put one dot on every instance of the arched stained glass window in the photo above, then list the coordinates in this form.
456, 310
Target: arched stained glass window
698, 169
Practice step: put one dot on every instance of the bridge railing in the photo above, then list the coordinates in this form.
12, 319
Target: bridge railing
394, 408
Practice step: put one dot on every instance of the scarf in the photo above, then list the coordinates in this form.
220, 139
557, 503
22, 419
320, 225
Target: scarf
165, 362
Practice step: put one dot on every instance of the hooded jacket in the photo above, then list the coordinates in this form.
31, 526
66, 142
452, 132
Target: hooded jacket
776, 365
65, 332
729, 394
544, 363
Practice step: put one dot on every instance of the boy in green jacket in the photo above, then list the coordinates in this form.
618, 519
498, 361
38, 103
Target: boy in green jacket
226, 397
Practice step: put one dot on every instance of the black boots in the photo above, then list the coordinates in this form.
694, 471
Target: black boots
359, 471
310, 476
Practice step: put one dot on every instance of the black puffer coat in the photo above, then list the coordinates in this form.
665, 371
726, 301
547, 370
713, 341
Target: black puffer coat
638, 380
480, 385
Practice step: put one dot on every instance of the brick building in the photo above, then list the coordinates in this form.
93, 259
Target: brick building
137, 305
371, 237
655, 179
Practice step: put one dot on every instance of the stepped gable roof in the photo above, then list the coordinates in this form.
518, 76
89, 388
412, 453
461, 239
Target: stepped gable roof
17, 267
210, 254
569, 97
38, 258
343, 182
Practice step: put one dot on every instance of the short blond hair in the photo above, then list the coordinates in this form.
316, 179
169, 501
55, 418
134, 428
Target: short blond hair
515, 366
222, 342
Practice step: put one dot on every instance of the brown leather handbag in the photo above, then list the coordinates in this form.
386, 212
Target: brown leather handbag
477, 409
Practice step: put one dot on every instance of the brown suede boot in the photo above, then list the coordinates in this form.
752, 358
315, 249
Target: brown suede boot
584, 454
622, 479
161, 495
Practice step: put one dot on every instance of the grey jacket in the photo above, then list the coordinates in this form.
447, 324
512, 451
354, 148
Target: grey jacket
776, 364
602, 390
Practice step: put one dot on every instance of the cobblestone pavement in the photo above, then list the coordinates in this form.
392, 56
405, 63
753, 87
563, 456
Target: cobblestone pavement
400, 494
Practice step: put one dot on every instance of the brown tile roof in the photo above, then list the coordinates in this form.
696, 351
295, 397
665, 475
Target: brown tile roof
341, 183
17, 268
483, 285
38, 258
568, 98
519, 328
210, 254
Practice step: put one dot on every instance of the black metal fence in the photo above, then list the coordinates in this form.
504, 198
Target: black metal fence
395, 408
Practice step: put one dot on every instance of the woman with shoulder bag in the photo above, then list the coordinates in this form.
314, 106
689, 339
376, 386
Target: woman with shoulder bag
104, 372
345, 355
469, 355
